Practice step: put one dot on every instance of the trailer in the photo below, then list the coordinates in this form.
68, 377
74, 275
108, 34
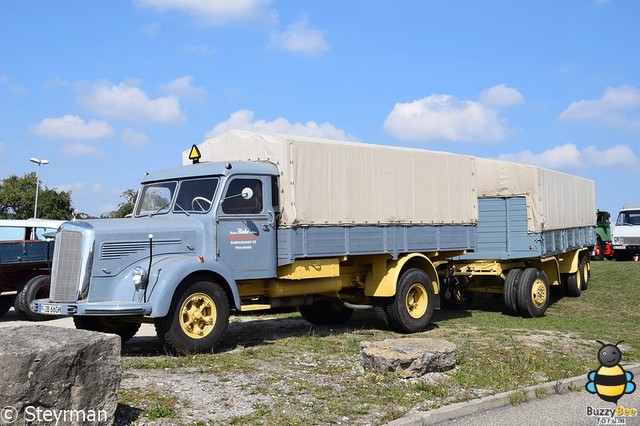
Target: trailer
257, 221
535, 231
26, 252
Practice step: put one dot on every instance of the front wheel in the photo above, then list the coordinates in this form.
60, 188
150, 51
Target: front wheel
410, 310
197, 320
112, 325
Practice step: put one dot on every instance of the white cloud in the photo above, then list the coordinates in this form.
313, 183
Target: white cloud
444, 117
244, 120
72, 127
300, 38
83, 150
501, 96
568, 156
126, 101
182, 87
134, 138
217, 12
619, 106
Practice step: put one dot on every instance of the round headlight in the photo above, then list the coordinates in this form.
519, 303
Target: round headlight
138, 275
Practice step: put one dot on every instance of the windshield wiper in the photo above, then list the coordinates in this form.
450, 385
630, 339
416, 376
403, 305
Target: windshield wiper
182, 209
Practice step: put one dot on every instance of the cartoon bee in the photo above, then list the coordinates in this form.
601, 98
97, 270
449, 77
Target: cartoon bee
610, 381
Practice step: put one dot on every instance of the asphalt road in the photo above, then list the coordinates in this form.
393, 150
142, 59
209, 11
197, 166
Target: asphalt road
567, 409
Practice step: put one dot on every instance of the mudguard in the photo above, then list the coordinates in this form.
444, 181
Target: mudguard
170, 272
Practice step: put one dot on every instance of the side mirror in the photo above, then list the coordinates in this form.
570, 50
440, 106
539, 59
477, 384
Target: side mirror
247, 193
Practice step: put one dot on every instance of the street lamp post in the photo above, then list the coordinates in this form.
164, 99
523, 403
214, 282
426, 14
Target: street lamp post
39, 163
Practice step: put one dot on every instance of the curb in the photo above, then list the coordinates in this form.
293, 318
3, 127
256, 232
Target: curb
463, 409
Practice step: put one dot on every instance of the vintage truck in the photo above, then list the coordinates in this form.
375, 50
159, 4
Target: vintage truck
254, 221
626, 233
26, 251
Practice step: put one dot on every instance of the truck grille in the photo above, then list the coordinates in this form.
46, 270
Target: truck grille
630, 241
69, 266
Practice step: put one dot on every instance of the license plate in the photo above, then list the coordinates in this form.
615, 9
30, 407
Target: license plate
51, 309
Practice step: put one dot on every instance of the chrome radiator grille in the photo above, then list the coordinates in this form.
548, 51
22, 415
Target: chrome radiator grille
67, 269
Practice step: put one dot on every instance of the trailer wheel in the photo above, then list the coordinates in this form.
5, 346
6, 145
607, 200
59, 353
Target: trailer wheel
36, 288
574, 284
533, 293
583, 268
325, 312
410, 310
6, 303
510, 291
197, 319
112, 325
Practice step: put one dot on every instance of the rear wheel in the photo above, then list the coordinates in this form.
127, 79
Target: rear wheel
326, 312
197, 319
36, 288
410, 310
533, 293
598, 251
510, 291
112, 325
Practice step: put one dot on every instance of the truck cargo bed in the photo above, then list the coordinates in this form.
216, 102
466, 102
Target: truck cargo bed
503, 234
328, 241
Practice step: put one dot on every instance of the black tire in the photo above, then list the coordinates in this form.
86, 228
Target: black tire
574, 284
510, 291
112, 325
326, 312
598, 251
585, 271
6, 302
533, 293
197, 319
455, 296
36, 288
410, 310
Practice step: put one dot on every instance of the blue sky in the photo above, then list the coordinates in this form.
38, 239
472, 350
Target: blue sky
108, 90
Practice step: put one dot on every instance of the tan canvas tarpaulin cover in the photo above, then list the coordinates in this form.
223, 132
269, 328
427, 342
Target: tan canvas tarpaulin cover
554, 200
328, 182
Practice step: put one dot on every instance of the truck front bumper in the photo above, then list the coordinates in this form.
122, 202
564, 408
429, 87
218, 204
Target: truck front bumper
45, 307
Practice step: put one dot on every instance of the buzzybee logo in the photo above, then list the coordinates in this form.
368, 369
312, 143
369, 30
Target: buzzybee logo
610, 381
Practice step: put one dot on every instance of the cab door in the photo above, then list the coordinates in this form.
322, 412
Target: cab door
246, 231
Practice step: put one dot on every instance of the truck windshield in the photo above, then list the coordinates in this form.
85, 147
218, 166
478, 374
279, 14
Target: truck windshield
629, 217
187, 196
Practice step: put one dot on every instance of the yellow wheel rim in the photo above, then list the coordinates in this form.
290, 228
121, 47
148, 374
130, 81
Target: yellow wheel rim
585, 271
198, 315
538, 293
417, 300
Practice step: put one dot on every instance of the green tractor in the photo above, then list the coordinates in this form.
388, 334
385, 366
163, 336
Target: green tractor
602, 249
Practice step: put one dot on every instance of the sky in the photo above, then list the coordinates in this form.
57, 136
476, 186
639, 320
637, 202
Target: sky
109, 90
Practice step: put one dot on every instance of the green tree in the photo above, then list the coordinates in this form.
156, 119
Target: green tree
17, 198
126, 207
